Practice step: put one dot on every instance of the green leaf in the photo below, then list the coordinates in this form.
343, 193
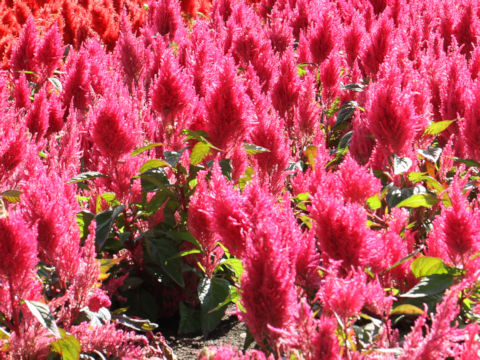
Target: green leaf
426, 266
56, 84
430, 285
67, 346
135, 324
12, 196
161, 253
42, 312
199, 152
152, 164
406, 309
254, 149
437, 127
154, 179
198, 135
401, 164
419, 200
88, 175
4, 334
211, 293
236, 266
173, 157
374, 202
84, 218
345, 114
190, 320
145, 148
416, 177
432, 153
357, 87
468, 162
344, 141
105, 221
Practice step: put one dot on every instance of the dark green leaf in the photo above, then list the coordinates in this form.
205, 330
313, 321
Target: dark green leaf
468, 162
67, 346
190, 320
344, 141
396, 195
211, 293
42, 312
173, 157
145, 148
430, 285
426, 266
161, 252
345, 113
254, 149
154, 179
105, 221
88, 175
227, 168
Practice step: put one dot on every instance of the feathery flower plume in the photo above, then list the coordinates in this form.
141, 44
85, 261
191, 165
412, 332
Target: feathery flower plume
37, 117
165, 19
454, 236
22, 92
341, 230
380, 45
228, 108
113, 130
77, 82
24, 53
50, 51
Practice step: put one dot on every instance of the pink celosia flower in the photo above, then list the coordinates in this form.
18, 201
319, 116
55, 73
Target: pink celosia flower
378, 48
471, 125
129, 50
341, 230
164, 18
50, 51
113, 130
55, 115
322, 36
344, 296
454, 236
25, 51
37, 116
467, 31
267, 286
228, 110
357, 184
97, 300
22, 92
76, 84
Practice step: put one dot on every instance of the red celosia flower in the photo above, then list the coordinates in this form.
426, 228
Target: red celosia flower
379, 46
164, 18
322, 36
77, 82
55, 115
470, 127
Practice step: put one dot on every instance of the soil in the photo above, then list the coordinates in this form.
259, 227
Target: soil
187, 347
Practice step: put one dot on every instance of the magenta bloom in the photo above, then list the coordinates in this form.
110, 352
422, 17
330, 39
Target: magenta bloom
25, 51
229, 111
113, 130
50, 51
455, 234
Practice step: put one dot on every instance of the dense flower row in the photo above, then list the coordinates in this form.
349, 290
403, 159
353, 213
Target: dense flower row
314, 161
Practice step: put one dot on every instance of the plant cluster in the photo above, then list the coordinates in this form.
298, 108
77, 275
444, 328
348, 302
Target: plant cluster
314, 162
